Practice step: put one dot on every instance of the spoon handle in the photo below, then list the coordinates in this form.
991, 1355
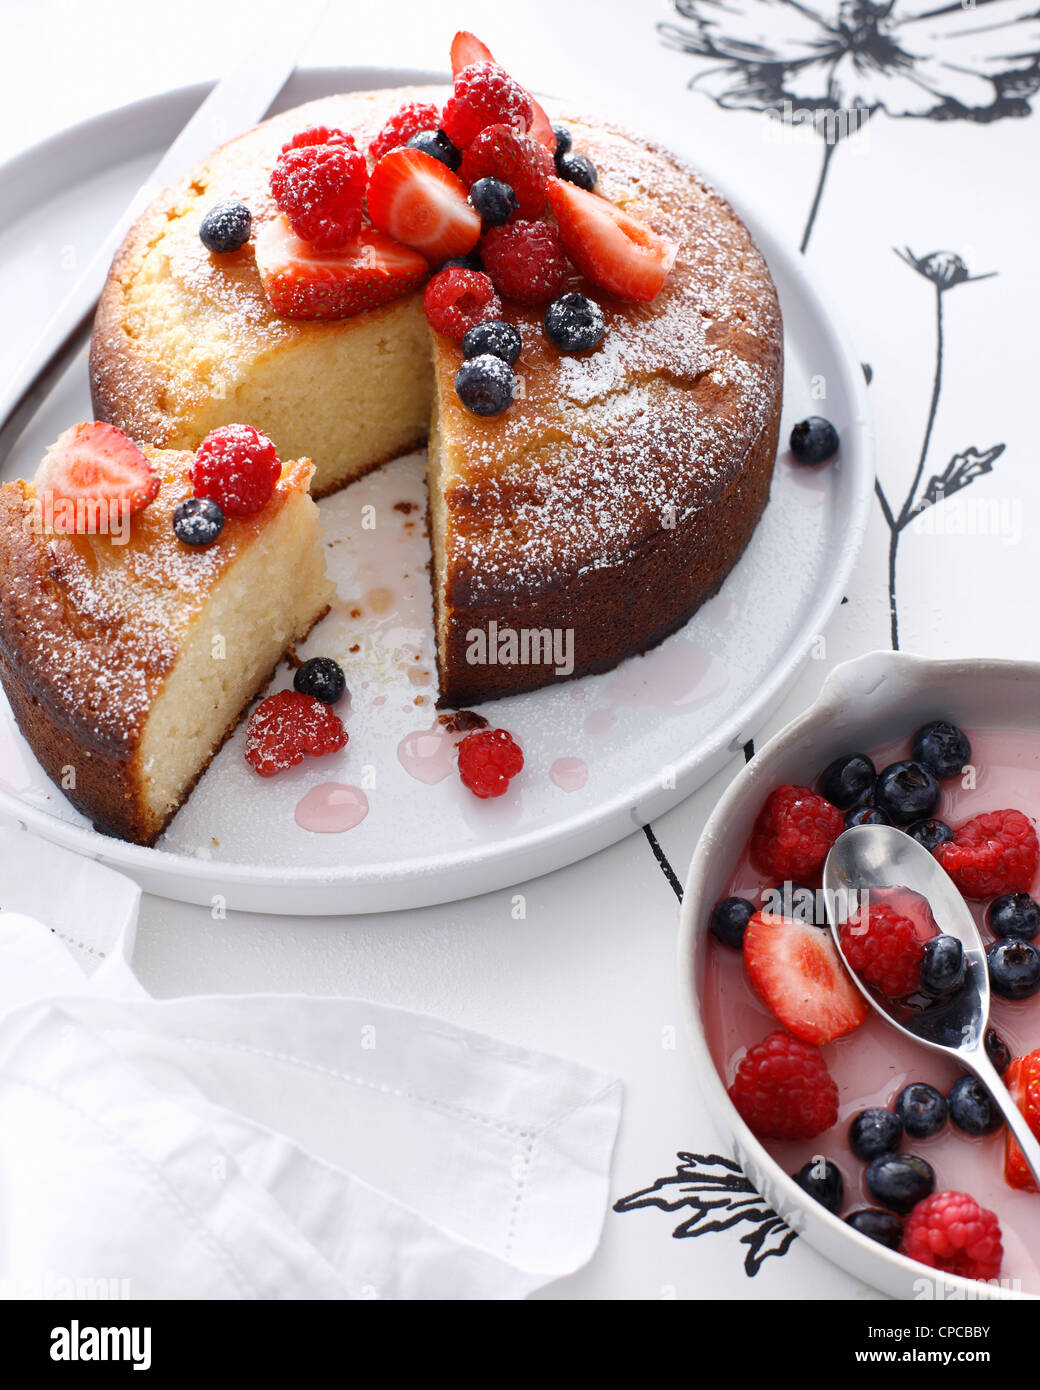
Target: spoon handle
1016, 1121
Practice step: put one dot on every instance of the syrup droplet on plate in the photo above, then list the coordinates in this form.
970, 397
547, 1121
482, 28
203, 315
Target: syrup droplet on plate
428, 755
569, 774
331, 808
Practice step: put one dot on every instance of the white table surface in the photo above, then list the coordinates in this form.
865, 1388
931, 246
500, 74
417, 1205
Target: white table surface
589, 972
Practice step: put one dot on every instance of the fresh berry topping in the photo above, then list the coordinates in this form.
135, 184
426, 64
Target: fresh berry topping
518, 160
1014, 914
93, 466
814, 440
525, 260
302, 283
496, 336
729, 921
488, 760
198, 520
457, 300
238, 467
321, 188
494, 200
874, 1132
942, 747
931, 833
972, 1108
614, 249
992, 854
883, 947
577, 169
1014, 968
883, 1226
419, 201
288, 727
320, 135
402, 125
470, 261
485, 95
943, 967
226, 226
794, 833
921, 1110
865, 815
467, 49
321, 677
822, 1180
783, 1090
486, 385
848, 781
951, 1232
906, 791
563, 140
797, 973
574, 323
997, 1051
1023, 1081
899, 1181
437, 145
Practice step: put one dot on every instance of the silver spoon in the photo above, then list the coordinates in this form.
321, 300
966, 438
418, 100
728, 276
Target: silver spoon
880, 856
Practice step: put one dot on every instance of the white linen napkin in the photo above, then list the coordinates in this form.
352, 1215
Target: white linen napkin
265, 1146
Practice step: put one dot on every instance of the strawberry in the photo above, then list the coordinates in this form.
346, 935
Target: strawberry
615, 250
418, 200
93, 465
467, 49
798, 975
1023, 1081
303, 283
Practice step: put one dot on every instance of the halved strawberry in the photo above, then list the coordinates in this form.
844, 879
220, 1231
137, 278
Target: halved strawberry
466, 48
1023, 1081
420, 202
92, 465
614, 249
797, 973
304, 283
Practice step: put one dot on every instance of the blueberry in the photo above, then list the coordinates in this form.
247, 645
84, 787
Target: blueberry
823, 1182
1014, 968
563, 140
729, 920
943, 966
922, 1109
814, 440
494, 200
574, 323
486, 385
883, 1226
470, 261
436, 144
942, 747
1014, 914
931, 833
848, 781
496, 336
906, 792
972, 1108
997, 1050
865, 815
899, 1181
874, 1132
198, 521
226, 226
321, 677
579, 169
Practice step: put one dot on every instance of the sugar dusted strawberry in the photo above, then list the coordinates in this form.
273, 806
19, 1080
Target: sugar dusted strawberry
517, 160
1023, 1081
485, 95
92, 466
288, 727
321, 189
615, 250
403, 124
526, 261
794, 833
951, 1232
883, 947
783, 1090
418, 201
237, 467
797, 973
304, 283
488, 761
456, 300
992, 854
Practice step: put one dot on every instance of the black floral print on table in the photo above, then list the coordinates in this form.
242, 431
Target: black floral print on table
962, 61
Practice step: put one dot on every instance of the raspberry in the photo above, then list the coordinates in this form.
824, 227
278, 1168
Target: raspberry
238, 467
951, 1232
783, 1090
485, 95
402, 125
992, 854
794, 833
883, 947
320, 135
457, 299
518, 160
525, 260
487, 761
321, 189
287, 727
